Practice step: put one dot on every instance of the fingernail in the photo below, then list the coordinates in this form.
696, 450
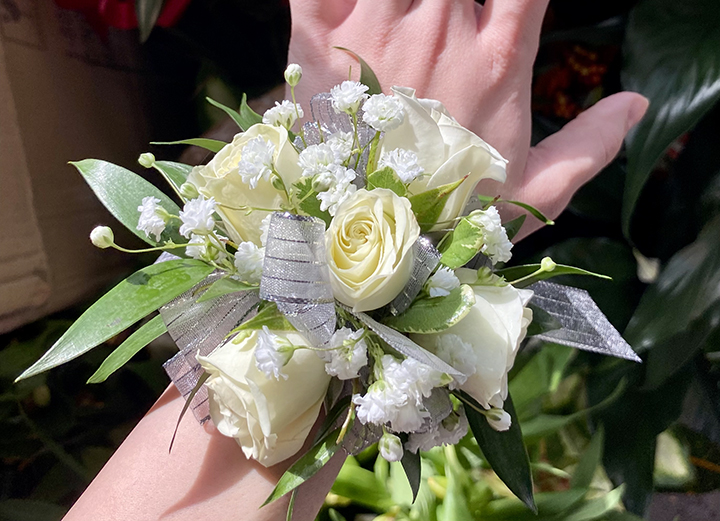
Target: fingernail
637, 110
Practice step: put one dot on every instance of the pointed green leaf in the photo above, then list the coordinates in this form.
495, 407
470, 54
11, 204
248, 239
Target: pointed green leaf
308, 201
504, 451
213, 145
386, 178
234, 114
430, 315
147, 12
428, 205
225, 286
122, 191
518, 272
362, 486
531, 209
462, 244
134, 298
125, 351
513, 227
367, 76
671, 57
592, 457
248, 117
201, 380
306, 467
268, 316
411, 464
175, 173
551, 506
595, 508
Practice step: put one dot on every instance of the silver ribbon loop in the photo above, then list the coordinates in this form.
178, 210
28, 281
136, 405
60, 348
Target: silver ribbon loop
198, 328
584, 326
425, 259
296, 276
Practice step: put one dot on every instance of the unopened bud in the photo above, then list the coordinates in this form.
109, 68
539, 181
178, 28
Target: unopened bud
147, 160
102, 237
390, 447
293, 73
547, 264
498, 419
278, 184
189, 191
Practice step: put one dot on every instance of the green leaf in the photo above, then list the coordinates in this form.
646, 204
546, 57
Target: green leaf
594, 508
175, 173
225, 286
462, 244
147, 12
531, 209
386, 178
504, 451
361, 486
428, 205
592, 457
550, 506
125, 351
122, 191
513, 227
671, 57
542, 321
411, 465
308, 201
367, 76
334, 515
213, 145
306, 467
518, 272
30, 510
201, 380
245, 119
268, 316
430, 315
134, 298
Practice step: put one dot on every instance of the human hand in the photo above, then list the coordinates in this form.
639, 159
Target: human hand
478, 61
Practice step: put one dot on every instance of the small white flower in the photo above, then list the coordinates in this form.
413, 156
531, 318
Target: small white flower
341, 187
249, 262
197, 217
272, 353
150, 221
341, 144
264, 227
383, 112
409, 417
293, 73
347, 96
348, 355
316, 159
414, 378
256, 161
442, 282
390, 447
457, 353
498, 419
379, 404
283, 114
450, 431
497, 245
102, 237
403, 162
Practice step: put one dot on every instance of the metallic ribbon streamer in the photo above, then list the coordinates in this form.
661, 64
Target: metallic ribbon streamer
198, 328
296, 276
584, 326
425, 258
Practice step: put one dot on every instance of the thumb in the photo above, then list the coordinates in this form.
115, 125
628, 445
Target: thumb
566, 160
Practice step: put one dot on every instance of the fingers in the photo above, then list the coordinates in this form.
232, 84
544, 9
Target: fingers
328, 13
514, 24
566, 160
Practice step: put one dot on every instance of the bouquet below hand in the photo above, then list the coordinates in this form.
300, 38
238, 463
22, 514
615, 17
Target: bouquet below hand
335, 264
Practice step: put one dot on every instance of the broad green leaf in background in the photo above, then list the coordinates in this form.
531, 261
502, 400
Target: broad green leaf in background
504, 451
367, 76
513, 227
462, 244
597, 507
362, 486
592, 457
386, 178
125, 351
147, 12
122, 191
672, 58
225, 286
134, 298
518, 272
306, 467
430, 315
175, 173
550, 505
213, 145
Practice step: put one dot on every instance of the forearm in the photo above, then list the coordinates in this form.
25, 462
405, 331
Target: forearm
205, 477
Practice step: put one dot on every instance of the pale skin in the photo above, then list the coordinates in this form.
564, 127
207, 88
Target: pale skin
478, 61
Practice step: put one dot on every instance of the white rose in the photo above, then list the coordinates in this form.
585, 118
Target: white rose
494, 327
269, 418
446, 151
369, 248
220, 179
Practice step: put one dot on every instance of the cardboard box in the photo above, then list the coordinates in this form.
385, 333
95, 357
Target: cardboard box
65, 95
